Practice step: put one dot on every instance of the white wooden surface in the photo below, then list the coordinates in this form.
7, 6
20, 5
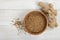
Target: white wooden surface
10, 9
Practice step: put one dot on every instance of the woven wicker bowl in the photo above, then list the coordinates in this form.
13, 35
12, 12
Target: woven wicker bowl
27, 23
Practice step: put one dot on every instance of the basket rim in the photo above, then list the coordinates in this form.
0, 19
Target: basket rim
44, 17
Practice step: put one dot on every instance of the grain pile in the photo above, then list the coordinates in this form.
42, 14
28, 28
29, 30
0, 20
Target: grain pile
35, 22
